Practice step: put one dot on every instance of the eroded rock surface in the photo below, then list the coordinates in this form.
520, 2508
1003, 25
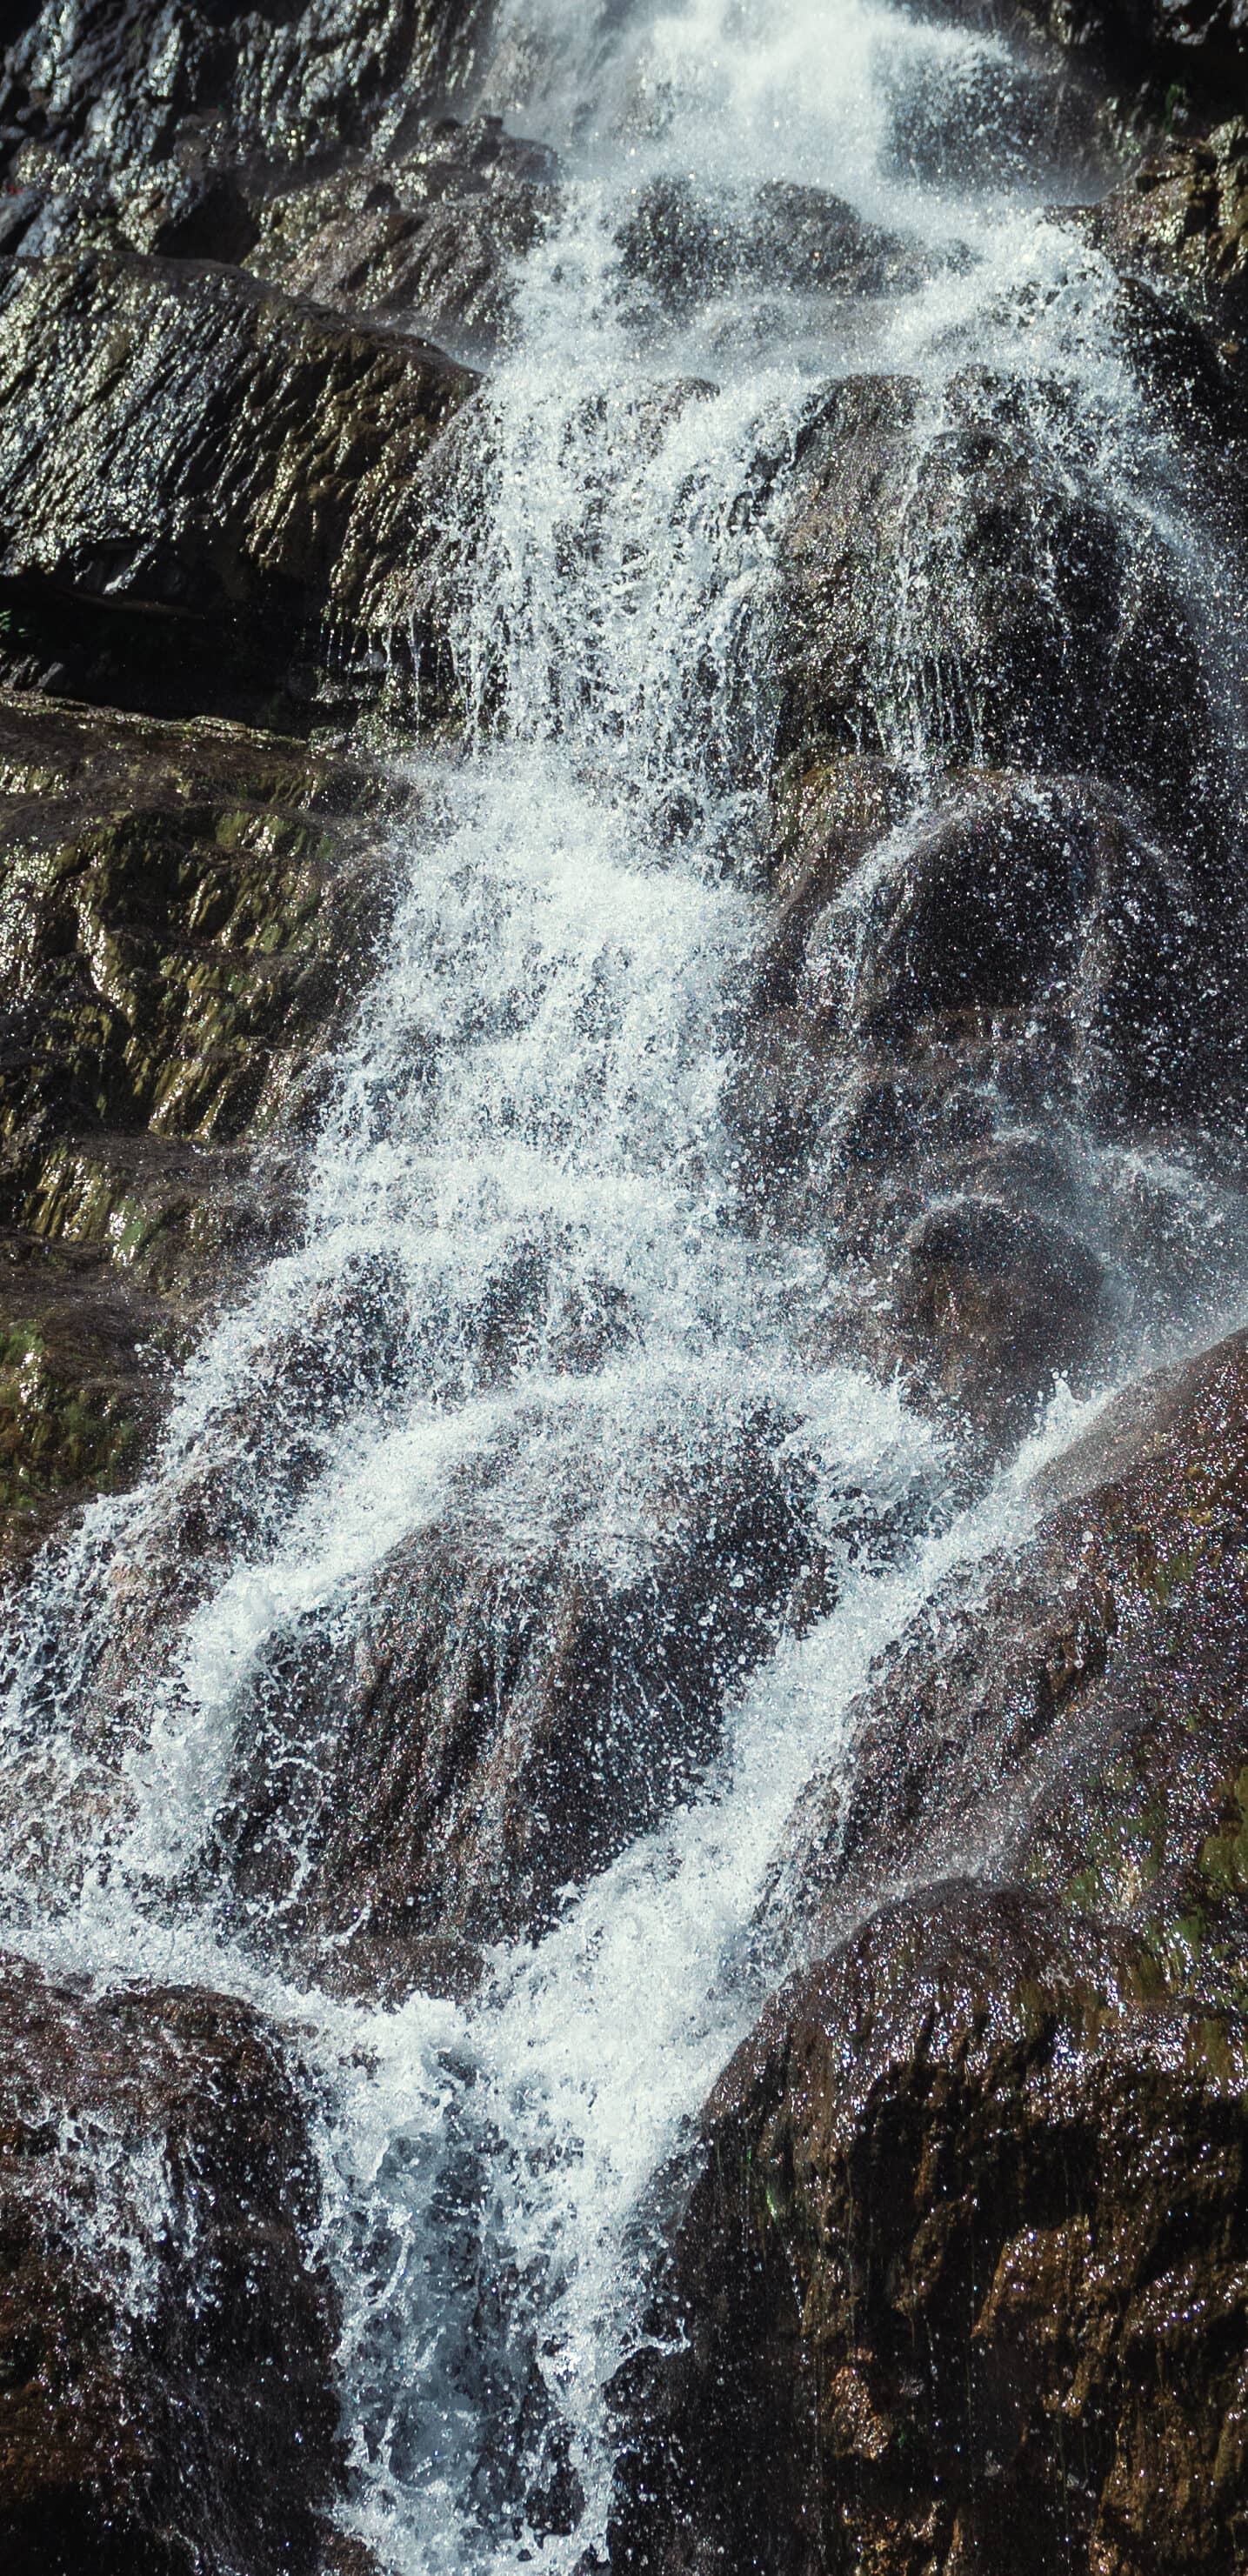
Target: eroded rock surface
186, 447
962, 2281
490, 1734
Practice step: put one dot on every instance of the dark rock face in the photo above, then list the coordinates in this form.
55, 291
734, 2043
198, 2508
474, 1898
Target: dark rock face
229, 464
493, 1733
130, 88
1152, 43
184, 913
165, 2346
956, 596
960, 2272
962, 981
1182, 218
431, 237
1078, 1721
1002, 820
686, 246
961, 2283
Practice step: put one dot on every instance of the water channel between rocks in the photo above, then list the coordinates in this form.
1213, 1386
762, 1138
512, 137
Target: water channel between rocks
540, 1322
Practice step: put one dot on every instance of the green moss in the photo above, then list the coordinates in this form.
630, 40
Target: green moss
58, 1428
1224, 1854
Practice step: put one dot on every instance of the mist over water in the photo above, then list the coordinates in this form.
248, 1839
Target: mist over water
529, 1298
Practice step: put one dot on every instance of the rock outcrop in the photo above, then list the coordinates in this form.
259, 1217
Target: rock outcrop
166, 2344
491, 1734
961, 2284
187, 910
197, 456
961, 2268
169, 101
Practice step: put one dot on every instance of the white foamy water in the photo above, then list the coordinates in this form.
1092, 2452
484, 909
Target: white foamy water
526, 1298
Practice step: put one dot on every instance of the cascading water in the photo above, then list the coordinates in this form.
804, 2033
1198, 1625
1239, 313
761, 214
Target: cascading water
531, 1301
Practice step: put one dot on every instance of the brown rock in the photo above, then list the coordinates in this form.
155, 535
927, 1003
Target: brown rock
961, 2282
189, 450
495, 1732
185, 912
1078, 1716
956, 596
166, 2399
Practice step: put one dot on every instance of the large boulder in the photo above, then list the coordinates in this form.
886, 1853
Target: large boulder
959, 2278
959, 591
190, 460
687, 244
166, 2344
960, 982
1077, 1715
431, 238
961, 2282
489, 1733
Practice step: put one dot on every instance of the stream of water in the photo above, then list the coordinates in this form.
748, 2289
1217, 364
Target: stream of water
527, 1180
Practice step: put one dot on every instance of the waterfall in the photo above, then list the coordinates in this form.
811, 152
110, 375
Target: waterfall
532, 1318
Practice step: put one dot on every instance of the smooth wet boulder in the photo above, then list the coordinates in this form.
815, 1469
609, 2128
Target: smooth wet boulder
963, 981
959, 592
1075, 1716
989, 1306
688, 244
490, 1733
960, 2281
166, 2342
200, 461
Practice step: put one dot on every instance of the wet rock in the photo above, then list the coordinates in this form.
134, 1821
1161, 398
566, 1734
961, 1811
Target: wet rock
993, 119
990, 1307
77, 1391
185, 911
688, 245
1176, 52
1075, 1716
960, 2281
959, 985
166, 2395
960, 594
494, 1730
1016, 892
968, 2205
1182, 217
156, 88
430, 238
187, 451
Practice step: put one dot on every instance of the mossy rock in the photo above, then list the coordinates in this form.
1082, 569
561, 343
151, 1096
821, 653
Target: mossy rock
185, 913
